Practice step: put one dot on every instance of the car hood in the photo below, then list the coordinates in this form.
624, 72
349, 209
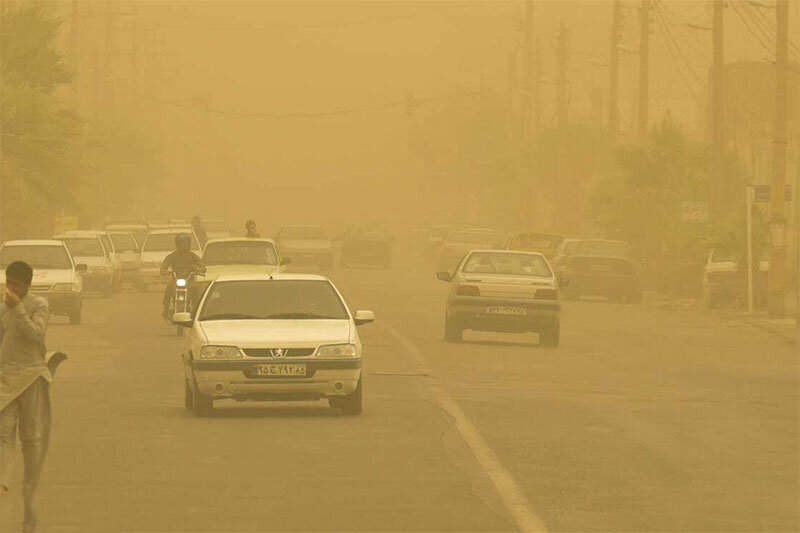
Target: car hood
306, 245
47, 277
276, 333
214, 271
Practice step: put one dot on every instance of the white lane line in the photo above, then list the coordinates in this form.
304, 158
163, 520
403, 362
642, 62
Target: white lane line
513, 498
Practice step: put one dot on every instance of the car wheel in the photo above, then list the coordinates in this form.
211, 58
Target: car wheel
352, 404
202, 405
550, 337
187, 394
76, 315
453, 332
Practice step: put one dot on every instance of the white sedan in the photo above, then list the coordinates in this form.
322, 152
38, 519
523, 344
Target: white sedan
272, 337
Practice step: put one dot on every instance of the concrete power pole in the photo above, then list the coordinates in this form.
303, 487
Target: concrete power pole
564, 215
644, 71
717, 108
613, 83
777, 219
527, 76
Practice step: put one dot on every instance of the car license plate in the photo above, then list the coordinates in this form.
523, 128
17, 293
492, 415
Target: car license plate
281, 370
495, 310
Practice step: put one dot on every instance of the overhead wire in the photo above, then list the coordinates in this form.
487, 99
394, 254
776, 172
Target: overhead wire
672, 44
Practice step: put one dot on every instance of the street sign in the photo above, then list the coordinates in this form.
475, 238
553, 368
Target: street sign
762, 193
693, 211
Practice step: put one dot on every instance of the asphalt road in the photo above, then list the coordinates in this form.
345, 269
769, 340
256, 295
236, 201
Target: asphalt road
643, 419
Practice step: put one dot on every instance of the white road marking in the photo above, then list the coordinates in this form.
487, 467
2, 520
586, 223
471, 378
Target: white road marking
527, 519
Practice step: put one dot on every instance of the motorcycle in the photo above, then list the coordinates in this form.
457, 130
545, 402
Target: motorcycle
180, 302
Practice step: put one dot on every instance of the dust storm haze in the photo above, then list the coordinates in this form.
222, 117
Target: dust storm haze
573, 223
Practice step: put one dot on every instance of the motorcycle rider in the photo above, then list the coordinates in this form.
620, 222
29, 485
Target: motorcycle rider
183, 262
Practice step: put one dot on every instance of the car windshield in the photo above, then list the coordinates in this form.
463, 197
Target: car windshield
215, 226
509, 264
163, 242
123, 242
37, 256
472, 238
303, 232
605, 248
240, 253
138, 233
84, 247
273, 300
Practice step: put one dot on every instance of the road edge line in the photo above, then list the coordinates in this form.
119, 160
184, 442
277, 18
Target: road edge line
527, 520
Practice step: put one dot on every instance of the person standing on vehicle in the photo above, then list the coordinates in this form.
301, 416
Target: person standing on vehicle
250, 226
183, 262
24, 383
199, 230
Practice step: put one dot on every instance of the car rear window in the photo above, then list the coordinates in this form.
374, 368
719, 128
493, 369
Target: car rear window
507, 264
273, 300
123, 242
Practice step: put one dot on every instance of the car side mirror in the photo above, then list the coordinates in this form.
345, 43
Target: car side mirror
81, 267
563, 282
363, 317
444, 276
182, 319
285, 260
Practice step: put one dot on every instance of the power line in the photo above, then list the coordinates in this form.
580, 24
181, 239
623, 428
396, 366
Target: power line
671, 41
759, 37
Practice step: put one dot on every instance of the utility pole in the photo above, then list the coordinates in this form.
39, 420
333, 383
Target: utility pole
613, 83
777, 219
563, 213
644, 70
717, 108
527, 76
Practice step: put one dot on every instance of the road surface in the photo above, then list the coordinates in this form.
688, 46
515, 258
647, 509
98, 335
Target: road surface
643, 419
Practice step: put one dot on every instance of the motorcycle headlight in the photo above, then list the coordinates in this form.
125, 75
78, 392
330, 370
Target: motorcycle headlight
65, 287
180, 282
337, 350
220, 352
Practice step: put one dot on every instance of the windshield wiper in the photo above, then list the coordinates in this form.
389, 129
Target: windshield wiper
231, 316
299, 316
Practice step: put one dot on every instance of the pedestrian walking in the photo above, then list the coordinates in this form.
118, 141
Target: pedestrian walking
24, 384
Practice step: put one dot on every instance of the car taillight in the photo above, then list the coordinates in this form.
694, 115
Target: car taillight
468, 290
546, 294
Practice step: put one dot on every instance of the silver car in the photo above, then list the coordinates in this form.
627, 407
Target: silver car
272, 337
503, 290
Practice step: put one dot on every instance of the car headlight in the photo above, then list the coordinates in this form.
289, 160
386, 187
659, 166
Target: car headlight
66, 287
337, 350
220, 352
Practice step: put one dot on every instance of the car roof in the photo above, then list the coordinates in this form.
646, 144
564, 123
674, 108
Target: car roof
240, 239
513, 252
273, 277
34, 242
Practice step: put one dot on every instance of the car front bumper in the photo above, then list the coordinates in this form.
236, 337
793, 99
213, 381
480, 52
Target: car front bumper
62, 303
236, 379
472, 312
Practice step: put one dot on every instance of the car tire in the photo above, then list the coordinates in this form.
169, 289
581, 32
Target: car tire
76, 315
188, 400
453, 332
351, 404
550, 337
202, 405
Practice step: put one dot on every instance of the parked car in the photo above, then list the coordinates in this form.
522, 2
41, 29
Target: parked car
725, 282
543, 243
306, 245
456, 245
273, 337
108, 246
599, 247
56, 276
88, 249
503, 290
139, 228
158, 245
366, 244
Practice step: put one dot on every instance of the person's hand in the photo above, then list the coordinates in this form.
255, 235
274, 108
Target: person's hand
11, 299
